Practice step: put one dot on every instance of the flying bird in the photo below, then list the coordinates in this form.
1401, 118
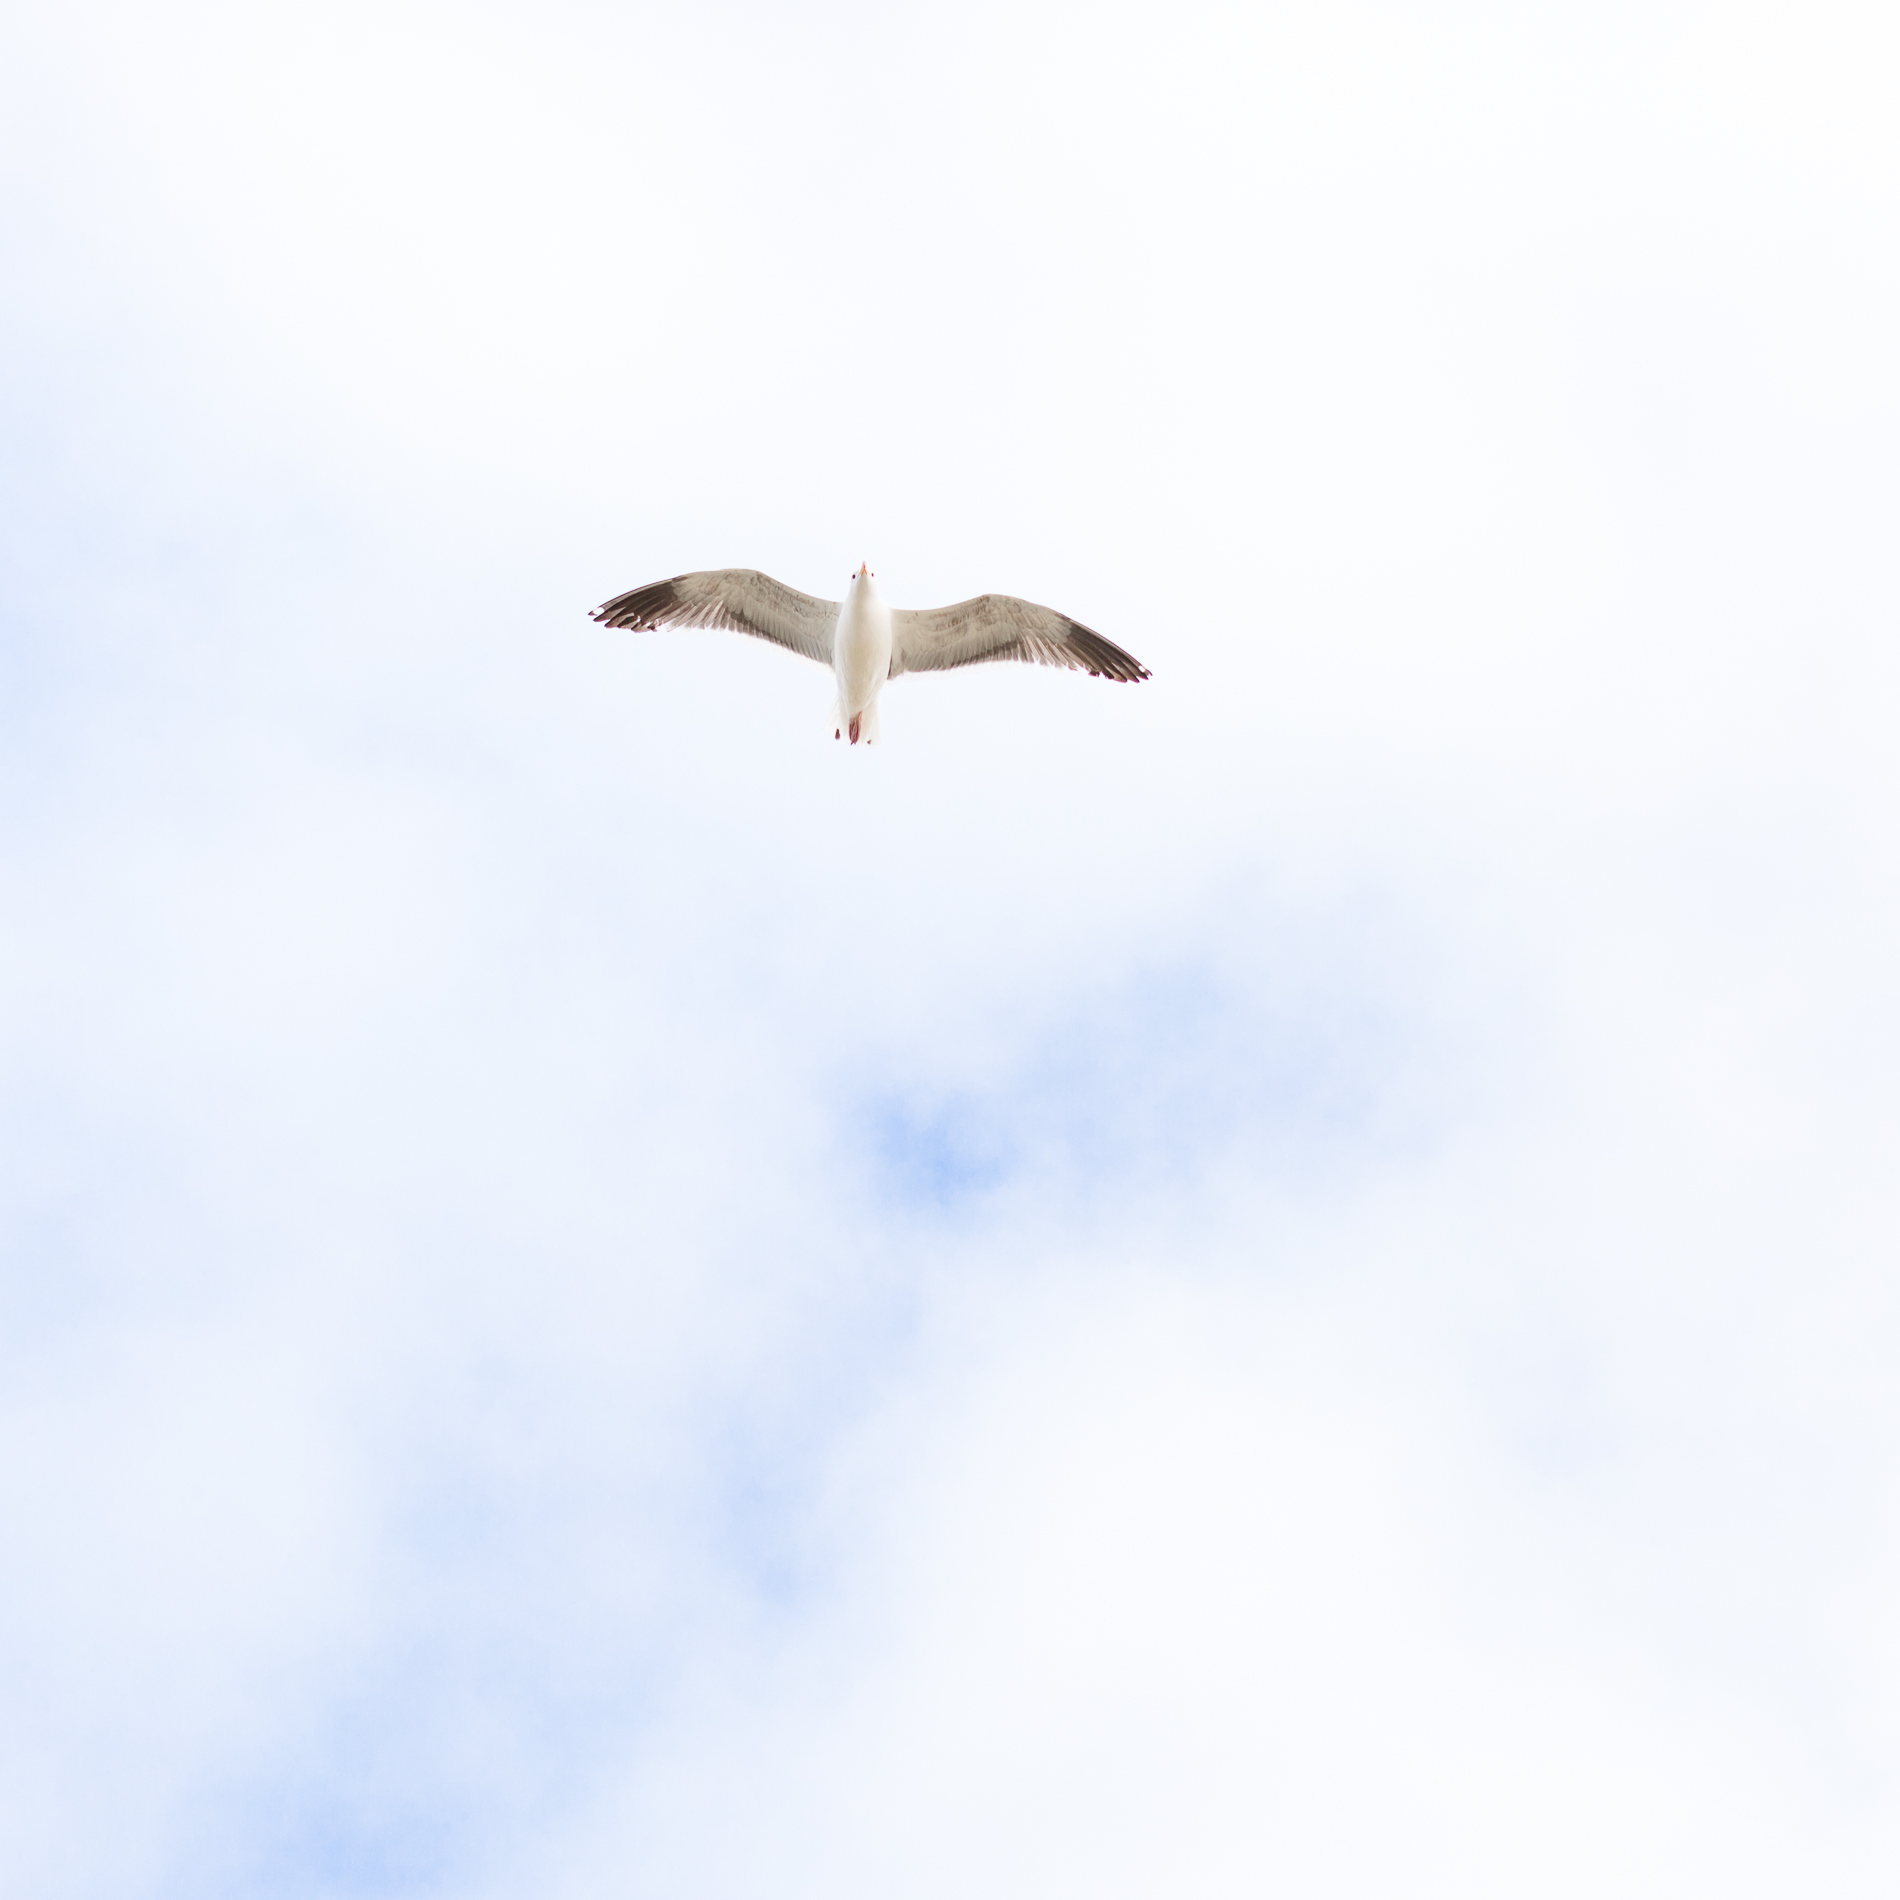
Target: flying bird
863, 640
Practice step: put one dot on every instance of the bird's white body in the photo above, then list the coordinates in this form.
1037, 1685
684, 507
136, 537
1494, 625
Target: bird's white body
860, 658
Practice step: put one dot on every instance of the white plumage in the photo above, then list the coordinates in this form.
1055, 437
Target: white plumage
864, 641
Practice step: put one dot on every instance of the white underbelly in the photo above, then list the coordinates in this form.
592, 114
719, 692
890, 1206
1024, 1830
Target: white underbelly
861, 657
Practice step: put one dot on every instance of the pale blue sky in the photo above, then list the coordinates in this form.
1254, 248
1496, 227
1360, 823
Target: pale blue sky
1276, 1282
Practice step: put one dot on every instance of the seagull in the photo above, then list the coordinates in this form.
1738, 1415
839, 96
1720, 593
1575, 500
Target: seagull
864, 641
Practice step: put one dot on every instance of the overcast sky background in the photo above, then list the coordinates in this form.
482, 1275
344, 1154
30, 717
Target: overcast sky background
1279, 1282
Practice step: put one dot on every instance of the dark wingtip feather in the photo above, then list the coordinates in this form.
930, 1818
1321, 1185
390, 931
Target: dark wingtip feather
642, 608
1103, 659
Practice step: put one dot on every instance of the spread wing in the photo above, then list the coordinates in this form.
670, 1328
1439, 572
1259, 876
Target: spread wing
737, 597
1001, 627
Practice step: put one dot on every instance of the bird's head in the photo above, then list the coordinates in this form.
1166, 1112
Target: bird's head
863, 576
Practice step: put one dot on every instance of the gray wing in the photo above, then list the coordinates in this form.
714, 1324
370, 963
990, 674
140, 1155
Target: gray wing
1001, 627
737, 597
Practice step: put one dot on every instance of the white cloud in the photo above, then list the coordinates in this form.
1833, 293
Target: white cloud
1279, 1279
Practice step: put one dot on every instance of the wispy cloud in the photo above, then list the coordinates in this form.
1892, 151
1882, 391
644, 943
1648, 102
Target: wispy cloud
1279, 1280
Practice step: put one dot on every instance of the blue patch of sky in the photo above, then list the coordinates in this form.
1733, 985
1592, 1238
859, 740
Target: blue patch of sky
97, 1229
369, 1811
39, 657
325, 1849
1143, 1084
483, 1712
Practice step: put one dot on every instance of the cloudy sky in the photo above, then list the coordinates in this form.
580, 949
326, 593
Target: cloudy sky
1278, 1282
